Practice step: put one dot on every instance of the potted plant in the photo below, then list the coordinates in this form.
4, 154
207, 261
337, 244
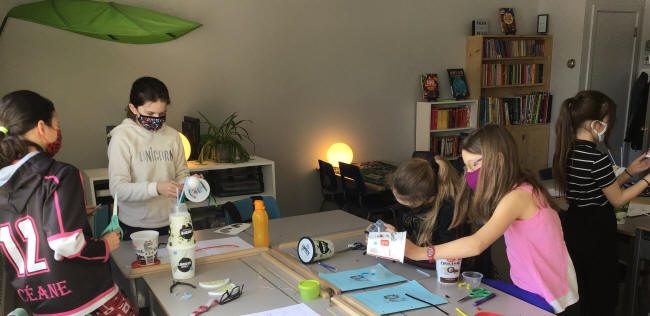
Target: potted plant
223, 143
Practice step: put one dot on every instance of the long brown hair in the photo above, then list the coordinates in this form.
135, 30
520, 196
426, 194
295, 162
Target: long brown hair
20, 111
587, 105
419, 180
500, 173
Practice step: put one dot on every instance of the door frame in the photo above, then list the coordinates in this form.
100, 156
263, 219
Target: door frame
617, 6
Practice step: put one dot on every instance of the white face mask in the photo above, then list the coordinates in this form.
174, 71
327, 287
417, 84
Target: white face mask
601, 135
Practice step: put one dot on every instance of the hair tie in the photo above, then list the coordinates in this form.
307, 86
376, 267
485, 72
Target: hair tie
4, 130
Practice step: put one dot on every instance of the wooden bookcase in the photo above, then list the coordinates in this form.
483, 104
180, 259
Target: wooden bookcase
488, 69
425, 131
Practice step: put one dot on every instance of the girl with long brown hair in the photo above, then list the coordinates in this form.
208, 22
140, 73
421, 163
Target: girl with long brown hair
586, 177
509, 201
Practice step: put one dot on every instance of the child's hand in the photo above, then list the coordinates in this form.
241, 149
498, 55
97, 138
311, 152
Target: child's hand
390, 228
113, 240
168, 188
639, 164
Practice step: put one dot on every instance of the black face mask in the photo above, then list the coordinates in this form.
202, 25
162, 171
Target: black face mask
152, 123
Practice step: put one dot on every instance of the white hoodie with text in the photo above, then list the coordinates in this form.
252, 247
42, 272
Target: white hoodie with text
137, 160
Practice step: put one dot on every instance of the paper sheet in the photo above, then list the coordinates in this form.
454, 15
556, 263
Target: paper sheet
362, 278
205, 248
393, 299
387, 245
639, 206
297, 310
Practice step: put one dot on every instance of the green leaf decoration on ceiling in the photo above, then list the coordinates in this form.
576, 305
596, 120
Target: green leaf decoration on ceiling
104, 20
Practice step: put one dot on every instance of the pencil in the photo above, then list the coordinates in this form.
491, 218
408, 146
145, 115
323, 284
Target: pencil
425, 302
460, 312
485, 299
327, 266
423, 273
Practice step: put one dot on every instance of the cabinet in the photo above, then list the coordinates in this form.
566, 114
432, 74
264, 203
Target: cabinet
96, 180
510, 76
440, 126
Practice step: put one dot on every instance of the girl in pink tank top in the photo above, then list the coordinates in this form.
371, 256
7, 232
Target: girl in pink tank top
509, 201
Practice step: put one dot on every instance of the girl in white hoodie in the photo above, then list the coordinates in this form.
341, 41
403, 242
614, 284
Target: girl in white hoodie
146, 164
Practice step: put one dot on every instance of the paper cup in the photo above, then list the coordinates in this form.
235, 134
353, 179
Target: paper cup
181, 231
182, 262
309, 289
311, 250
145, 243
448, 270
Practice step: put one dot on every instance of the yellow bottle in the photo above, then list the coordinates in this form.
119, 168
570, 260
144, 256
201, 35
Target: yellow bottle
260, 224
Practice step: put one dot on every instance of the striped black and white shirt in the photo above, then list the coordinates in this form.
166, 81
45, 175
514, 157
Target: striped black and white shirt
588, 173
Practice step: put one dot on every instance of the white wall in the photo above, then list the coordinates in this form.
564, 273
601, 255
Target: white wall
308, 73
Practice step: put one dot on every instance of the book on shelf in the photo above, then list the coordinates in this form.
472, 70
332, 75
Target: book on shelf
494, 74
516, 110
507, 21
448, 147
512, 48
430, 87
480, 27
446, 118
458, 83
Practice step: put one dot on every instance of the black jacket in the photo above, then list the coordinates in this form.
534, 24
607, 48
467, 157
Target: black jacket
53, 263
637, 112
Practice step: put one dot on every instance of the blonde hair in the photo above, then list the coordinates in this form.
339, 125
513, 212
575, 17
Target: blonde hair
419, 180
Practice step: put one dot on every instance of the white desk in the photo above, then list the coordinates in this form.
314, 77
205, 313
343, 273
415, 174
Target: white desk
97, 179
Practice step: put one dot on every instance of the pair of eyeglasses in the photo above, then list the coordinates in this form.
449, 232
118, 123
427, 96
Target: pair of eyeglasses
471, 166
231, 295
226, 297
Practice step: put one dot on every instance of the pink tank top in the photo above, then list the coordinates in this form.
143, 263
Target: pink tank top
539, 261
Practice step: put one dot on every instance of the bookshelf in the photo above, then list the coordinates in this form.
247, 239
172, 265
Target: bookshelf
510, 77
440, 126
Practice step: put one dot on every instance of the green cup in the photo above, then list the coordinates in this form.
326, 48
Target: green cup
309, 289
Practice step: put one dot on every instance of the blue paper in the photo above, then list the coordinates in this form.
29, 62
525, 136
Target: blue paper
362, 278
393, 299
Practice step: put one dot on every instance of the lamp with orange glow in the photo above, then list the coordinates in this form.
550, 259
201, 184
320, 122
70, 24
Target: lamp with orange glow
339, 152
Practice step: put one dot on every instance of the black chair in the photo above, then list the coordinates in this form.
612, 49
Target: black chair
640, 253
423, 154
371, 204
329, 185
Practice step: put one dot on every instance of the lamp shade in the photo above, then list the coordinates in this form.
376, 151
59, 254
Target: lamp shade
339, 152
186, 146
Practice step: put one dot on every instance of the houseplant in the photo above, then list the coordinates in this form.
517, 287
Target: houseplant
223, 143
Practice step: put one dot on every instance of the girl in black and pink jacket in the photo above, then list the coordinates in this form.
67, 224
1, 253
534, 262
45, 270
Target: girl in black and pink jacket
55, 265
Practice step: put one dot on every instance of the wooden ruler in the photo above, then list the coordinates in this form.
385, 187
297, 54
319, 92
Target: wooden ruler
142, 271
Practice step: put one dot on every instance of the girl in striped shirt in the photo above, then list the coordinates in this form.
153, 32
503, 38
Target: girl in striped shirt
586, 176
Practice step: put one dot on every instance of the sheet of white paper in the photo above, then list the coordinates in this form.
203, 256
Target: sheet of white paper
639, 206
387, 245
233, 229
211, 247
297, 310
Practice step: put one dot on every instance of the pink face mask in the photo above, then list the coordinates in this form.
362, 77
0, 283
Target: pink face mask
472, 178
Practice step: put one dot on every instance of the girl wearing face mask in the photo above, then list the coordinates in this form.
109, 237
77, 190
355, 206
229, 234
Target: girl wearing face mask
507, 201
146, 160
586, 177
54, 263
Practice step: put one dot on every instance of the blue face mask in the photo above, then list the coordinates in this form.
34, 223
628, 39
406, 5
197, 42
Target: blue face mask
152, 123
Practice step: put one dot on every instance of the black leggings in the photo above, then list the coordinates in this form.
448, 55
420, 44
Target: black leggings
590, 235
128, 230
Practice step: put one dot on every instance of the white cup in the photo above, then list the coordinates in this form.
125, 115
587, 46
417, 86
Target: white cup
145, 243
182, 262
448, 270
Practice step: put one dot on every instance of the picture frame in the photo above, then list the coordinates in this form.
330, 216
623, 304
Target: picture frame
542, 23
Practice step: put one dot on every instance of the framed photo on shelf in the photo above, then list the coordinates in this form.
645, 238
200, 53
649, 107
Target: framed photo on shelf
542, 24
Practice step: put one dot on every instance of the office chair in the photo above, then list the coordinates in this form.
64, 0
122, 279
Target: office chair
245, 209
329, 185
423, 154
371, 204
640, 251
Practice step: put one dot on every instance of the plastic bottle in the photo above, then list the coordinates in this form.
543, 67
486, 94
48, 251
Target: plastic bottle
260, 224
